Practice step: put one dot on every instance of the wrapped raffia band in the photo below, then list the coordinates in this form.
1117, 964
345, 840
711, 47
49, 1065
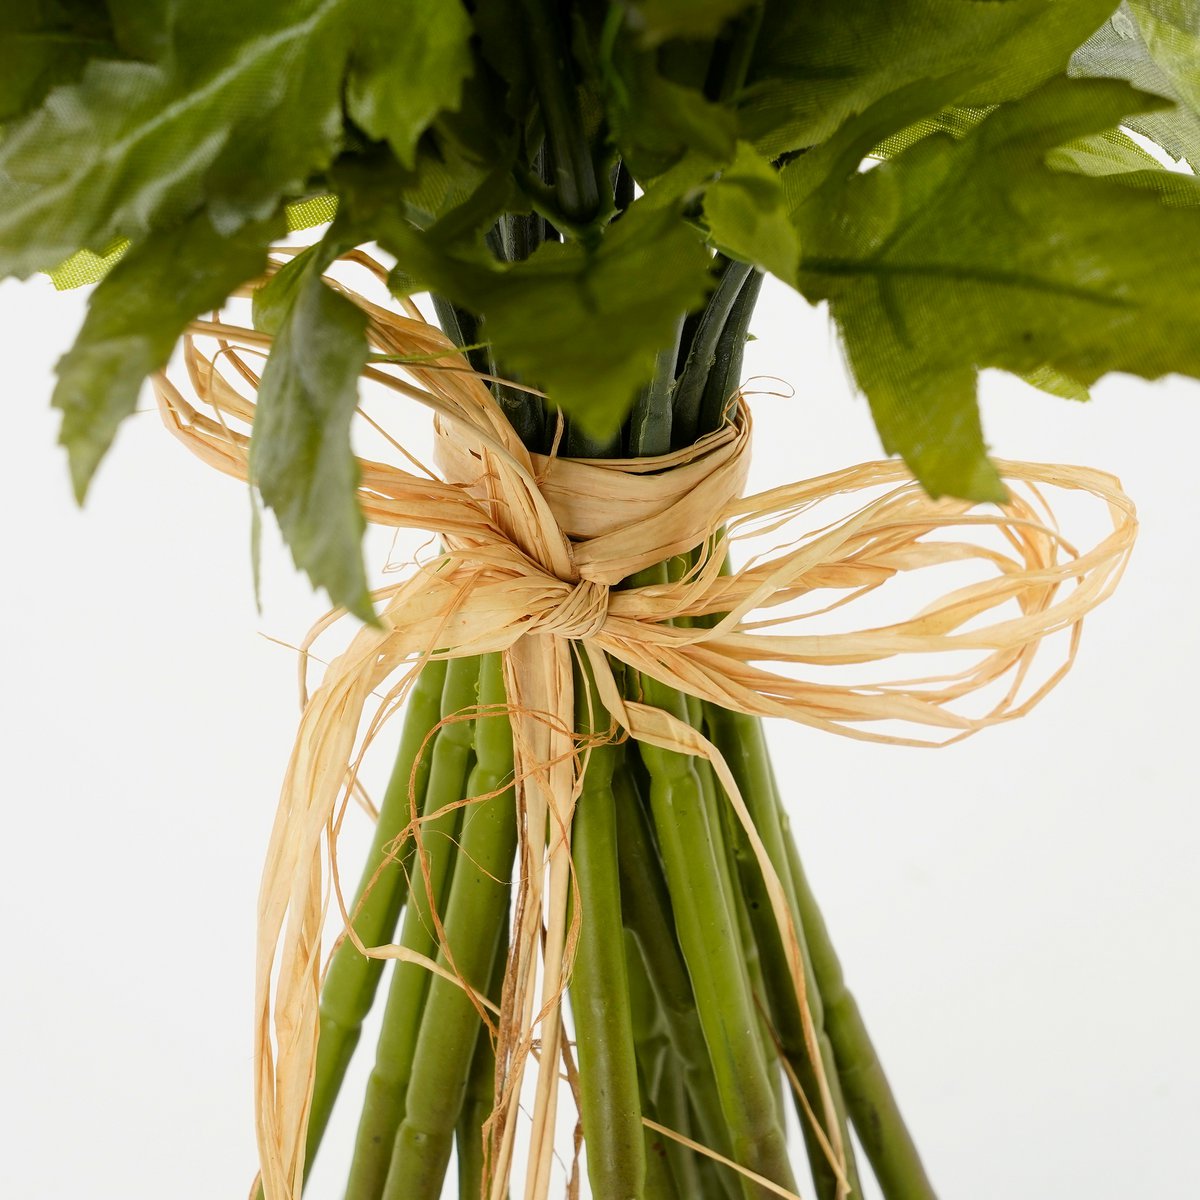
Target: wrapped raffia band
532, 548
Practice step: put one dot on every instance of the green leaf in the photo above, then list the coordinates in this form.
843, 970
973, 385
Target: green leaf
1156, 47
819, 63
656, 121
134, 319
45, 43
957, 256
142, 27
586, 326
658, 21
233, 122
300, 455
747, 215
409, 66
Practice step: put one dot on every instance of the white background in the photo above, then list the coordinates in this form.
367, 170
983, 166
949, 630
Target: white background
1017, 915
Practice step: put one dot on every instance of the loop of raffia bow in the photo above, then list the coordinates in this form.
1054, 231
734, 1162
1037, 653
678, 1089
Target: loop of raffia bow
533, 547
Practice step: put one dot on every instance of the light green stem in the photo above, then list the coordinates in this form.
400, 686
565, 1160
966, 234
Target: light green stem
475, 914
646, 909
877, 1119
352, 979
711, 947
740, 740
383, 1105
599, 990
481, 1090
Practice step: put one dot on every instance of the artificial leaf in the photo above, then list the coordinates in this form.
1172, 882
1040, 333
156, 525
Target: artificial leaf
819, 63
657, 21
273, 301
45, 43
234, 122
656, 121
409, 66
300, 455
956, 256
142, 28
747, 216
586, 325
134, 319
1157, 49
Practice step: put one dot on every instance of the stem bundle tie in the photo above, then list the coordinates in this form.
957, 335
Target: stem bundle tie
533, 550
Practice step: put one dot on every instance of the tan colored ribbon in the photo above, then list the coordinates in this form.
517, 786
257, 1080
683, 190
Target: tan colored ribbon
532, 547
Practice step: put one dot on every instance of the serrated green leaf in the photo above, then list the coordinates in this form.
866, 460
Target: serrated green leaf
409, 66
300, 455
747, 215
656, 121
45, 43
990, 257
586, 326
242, 111
135, 318
657, 21
819, 63
1156, 47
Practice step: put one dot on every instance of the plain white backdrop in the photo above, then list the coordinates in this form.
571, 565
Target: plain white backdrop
1018, 915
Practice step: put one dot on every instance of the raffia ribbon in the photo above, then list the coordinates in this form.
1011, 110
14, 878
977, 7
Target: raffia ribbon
533, 547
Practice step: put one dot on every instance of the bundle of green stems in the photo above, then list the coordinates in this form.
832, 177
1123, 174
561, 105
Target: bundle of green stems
683, 1007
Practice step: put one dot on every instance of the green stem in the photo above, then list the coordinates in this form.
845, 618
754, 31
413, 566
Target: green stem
646, 911
877, 1119
711, 948
481, 1090
554, 78
650, 420
475, 915
702, 354
740, 739
383, 1105
726, 374
599, 989
650, 1051
352, 978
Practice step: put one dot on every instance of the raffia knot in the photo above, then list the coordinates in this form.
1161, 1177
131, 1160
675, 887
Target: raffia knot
579, 615
517, 530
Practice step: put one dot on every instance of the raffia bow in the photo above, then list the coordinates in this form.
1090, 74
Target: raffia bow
533, 547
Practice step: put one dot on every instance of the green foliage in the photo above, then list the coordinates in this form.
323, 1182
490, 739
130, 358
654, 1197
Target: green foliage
300, 457
44, 43
134, 319
658, 21
614, 307
746, 213
956, 256
496, 152
818, 63
244, 110
1155, 46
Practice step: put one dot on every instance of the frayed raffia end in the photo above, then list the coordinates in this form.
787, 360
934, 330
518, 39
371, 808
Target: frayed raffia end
532, 547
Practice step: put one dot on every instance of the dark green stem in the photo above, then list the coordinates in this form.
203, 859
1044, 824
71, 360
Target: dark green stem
650, 422
554, 77
702, 354
716, 405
